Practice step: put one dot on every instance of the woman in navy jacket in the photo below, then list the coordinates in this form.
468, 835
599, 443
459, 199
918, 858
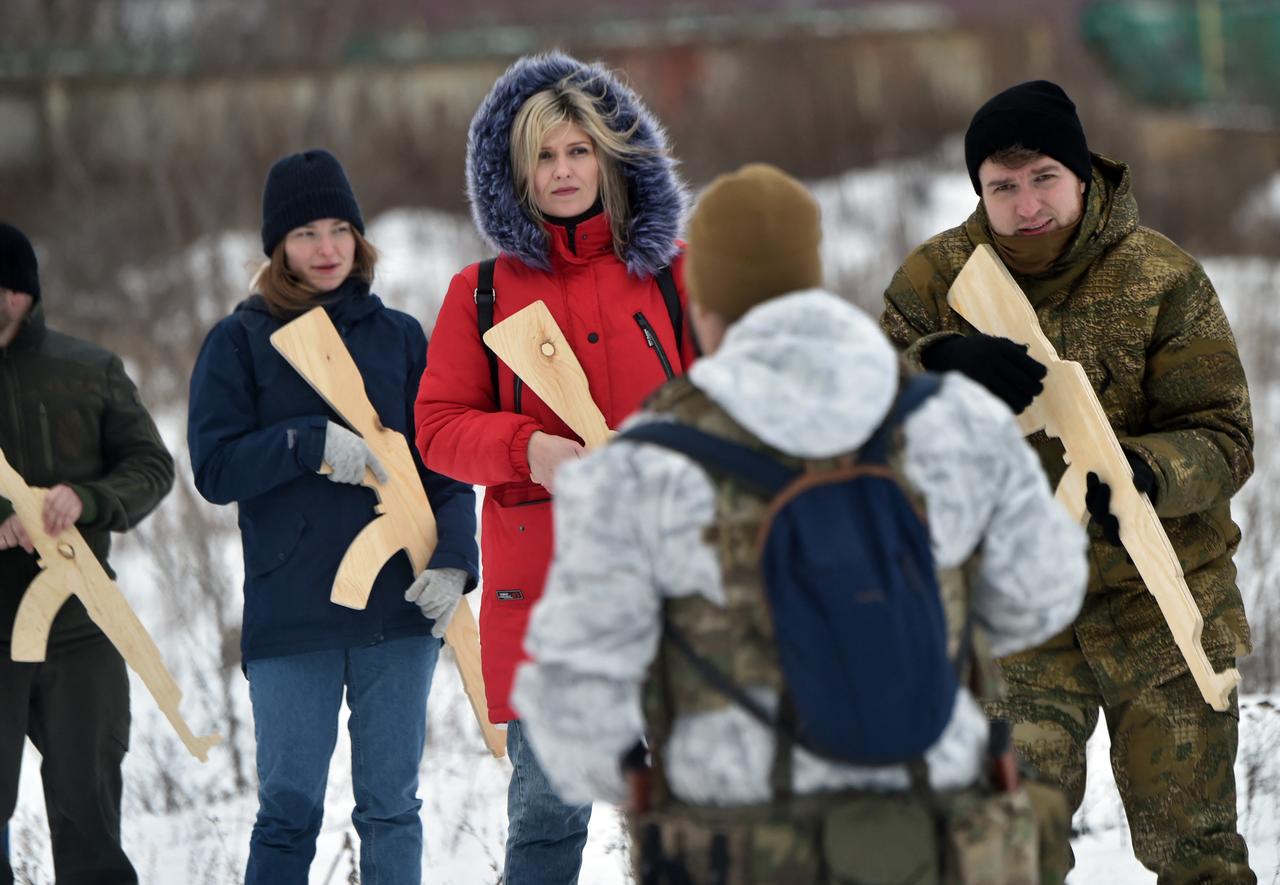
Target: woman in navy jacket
258, 435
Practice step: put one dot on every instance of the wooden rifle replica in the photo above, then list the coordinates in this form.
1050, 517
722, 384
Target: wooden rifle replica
988, 297
531, 343
405, 522
69, 568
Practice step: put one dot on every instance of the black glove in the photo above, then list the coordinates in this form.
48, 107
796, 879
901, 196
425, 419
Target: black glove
998, 364
1097, 496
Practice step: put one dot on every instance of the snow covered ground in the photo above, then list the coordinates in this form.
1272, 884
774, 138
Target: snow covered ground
464, 819
187, 822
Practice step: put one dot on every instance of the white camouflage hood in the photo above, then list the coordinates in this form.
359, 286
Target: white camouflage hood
808, 373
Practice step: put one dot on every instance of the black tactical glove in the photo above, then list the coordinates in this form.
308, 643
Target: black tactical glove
1097, 496
998, 364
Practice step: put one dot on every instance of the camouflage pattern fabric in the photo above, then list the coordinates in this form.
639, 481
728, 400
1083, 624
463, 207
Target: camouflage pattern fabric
1172, 755
1053, 830
1144, 322
862, 837
848, 839
738, 638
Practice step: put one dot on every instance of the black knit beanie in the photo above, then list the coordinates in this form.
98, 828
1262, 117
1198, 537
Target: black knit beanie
19, 270
302, 188
1037, 115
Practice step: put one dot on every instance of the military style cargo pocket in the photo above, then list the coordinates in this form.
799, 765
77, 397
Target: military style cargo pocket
718, 845
992, 839
881, 840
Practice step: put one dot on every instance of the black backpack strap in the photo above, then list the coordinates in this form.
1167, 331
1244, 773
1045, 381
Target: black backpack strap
486, 298
667, 283
783, 724
756, 470
911, 395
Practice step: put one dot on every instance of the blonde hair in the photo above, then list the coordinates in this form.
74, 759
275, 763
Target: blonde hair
288, 295
573, 101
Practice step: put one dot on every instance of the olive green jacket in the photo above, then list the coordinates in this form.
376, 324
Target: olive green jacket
69, 414
1143, 320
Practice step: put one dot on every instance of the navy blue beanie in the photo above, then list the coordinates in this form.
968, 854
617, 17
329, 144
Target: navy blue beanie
302, 188
1037, 115
19, 270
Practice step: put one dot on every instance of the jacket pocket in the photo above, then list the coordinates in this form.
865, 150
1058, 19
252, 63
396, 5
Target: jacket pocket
274, 547
516, 547
652, 340
1119, 392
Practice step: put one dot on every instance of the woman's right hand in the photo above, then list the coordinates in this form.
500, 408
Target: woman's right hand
547, 453
348, 456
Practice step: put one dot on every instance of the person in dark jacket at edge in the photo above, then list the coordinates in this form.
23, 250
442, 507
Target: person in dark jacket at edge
71, 421
259, 435
1142, 319
570, 177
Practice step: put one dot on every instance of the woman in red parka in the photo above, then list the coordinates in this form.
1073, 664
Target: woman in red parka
570, 178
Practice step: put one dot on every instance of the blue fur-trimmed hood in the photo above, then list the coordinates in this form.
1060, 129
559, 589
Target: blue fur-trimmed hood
657, 196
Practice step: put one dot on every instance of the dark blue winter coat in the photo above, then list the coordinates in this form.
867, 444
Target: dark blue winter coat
256, 434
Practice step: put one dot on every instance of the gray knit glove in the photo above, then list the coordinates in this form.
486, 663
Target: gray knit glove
436, 593
348, 455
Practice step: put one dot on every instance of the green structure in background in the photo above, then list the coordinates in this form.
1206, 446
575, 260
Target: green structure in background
1177, 53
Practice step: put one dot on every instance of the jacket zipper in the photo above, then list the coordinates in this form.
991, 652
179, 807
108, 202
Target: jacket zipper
10, 383
651, 338
46, 438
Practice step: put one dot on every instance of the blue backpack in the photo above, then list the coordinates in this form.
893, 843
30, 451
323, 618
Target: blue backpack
853, 593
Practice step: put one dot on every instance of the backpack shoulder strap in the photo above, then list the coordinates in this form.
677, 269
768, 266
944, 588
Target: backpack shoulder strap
913, 392
486, 298
667, 284
756, 470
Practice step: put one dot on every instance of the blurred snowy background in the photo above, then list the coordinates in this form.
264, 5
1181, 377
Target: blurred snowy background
134, 136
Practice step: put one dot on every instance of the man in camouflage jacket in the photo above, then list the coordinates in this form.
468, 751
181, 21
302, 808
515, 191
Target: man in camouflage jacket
1144, 322
71, 421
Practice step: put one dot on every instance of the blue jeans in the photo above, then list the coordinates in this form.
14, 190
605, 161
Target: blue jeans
296, 700
544, 835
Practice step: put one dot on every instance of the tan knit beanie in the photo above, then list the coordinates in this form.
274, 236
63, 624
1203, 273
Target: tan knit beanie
753, 235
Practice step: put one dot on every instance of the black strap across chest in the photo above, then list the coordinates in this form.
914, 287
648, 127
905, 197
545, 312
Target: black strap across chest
486, 297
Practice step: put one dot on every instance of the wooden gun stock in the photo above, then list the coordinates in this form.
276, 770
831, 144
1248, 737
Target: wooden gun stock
68, 567
313, 347
990, 300
531, 343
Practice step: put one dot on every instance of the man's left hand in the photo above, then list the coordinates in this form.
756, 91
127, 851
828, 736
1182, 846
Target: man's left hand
1097, 496
12, 534
62, 507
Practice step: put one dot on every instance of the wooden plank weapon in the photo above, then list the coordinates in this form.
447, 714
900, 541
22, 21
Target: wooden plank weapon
988, 297
531, 343
313, 347
69, 568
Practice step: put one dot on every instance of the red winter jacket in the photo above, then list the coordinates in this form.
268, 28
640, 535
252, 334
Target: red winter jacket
599, 308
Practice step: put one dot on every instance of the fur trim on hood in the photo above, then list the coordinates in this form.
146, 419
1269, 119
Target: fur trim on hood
658, 198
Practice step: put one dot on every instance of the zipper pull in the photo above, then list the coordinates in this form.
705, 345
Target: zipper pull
644, 327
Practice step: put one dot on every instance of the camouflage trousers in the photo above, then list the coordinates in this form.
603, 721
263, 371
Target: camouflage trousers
961, 838
1171, 753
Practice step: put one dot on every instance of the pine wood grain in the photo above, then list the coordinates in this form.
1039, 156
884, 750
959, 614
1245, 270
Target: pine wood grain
68, 567
531, 343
